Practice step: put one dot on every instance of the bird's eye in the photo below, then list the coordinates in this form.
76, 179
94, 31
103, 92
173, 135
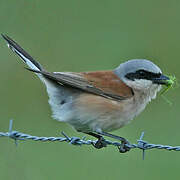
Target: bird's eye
142, 73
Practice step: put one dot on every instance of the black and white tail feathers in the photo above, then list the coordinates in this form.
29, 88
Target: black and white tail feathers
71, 81
57, 94
31, 63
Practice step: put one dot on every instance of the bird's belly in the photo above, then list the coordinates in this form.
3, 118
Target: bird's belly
89, 121
91, 113
88, 112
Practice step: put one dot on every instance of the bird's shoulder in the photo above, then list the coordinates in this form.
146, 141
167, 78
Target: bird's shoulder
109, 82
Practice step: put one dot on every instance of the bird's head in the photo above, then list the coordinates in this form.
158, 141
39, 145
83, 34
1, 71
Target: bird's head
141, 75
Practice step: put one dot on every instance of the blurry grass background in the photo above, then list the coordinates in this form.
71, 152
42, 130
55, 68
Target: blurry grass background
82, 36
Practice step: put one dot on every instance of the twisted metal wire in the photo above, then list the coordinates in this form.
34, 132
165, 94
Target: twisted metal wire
141, 144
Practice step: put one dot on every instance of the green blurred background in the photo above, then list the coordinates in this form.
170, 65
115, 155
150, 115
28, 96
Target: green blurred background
82, 36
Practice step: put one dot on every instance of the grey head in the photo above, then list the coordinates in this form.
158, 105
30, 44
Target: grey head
140, 74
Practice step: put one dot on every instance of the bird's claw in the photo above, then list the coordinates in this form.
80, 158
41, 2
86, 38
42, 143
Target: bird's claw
123, 147
100, 143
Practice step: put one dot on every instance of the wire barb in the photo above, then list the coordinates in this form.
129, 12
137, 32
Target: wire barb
12, 134
141, 144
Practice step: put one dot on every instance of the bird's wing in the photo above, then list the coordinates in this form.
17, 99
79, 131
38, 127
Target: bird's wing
102, 83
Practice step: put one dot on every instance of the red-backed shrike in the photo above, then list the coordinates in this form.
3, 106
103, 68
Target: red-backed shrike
98, 102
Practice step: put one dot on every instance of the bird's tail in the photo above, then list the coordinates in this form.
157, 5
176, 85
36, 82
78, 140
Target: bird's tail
31, 63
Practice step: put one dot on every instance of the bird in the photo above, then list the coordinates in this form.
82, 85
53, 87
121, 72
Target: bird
98, 102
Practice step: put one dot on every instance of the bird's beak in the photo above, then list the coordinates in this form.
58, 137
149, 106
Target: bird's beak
164, 80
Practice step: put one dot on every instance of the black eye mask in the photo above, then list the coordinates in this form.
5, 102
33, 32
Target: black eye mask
142, 74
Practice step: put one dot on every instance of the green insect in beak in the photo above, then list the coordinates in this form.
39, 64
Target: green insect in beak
170, 83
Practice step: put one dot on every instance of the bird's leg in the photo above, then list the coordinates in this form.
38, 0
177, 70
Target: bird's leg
123, 148
100, 142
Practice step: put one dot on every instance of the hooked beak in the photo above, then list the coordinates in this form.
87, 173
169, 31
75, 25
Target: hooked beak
163, 80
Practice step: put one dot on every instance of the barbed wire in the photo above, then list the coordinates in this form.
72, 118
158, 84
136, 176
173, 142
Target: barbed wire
141, 144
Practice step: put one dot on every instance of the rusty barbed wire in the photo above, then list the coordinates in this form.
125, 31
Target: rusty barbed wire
141, 144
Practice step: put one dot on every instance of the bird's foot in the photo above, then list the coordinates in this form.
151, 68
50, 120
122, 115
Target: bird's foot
124, 146
100, 143
124, 143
